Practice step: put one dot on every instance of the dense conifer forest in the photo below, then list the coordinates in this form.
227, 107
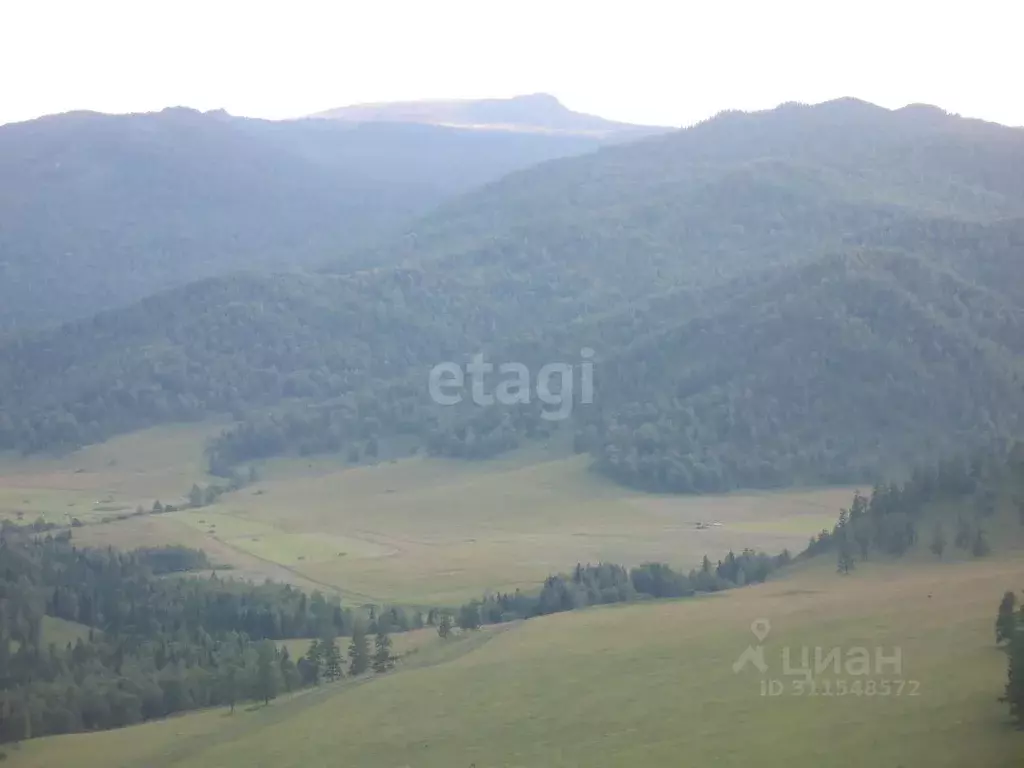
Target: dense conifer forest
150, 645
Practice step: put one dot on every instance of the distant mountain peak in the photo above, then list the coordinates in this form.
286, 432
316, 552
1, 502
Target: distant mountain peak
539, 98
532, 113
925, 113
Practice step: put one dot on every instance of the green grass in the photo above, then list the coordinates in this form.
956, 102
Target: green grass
268, 542
642, 684
649, 684
434, 531
416, 530
107, 479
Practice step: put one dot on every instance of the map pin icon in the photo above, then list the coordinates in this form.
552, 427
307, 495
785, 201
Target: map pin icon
761, 628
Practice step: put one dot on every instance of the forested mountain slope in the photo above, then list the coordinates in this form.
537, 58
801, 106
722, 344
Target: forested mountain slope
101, 210
844, 369
807, 294
738, 192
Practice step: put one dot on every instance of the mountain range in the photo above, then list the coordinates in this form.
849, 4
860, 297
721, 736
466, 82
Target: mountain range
97, 211
807, 294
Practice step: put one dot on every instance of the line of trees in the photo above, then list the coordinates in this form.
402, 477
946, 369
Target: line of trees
607, 583
970, 495
323, 659
888, 521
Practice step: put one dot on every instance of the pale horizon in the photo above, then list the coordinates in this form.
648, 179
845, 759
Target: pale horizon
643, 63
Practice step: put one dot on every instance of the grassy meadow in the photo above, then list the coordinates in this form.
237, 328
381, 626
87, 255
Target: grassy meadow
416, 530
105, 480
641, 684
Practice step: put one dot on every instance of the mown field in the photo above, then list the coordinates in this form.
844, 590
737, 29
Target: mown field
644, 684
417, 530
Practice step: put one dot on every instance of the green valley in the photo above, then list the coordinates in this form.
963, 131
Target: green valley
732, 474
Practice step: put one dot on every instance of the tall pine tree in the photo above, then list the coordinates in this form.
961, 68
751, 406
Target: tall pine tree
358, 652
332, 659
382, 658
1006, 619
1015, 675
312, 662
268, 672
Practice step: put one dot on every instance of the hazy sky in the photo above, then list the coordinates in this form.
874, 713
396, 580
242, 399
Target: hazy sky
650, 62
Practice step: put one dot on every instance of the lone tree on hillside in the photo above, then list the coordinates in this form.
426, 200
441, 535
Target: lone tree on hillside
1006, 620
